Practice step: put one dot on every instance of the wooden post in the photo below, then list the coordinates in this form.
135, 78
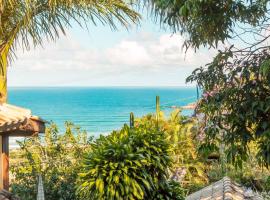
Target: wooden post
131, 120
157, 110
5, 161
4, 152
1, 163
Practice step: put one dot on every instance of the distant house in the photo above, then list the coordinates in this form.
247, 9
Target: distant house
225, 189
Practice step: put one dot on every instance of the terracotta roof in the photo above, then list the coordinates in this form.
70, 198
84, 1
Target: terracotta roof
13, 117
224, 189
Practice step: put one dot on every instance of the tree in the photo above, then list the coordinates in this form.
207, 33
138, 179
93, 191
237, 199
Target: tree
236, 105
27, 22
209, 22
236, 83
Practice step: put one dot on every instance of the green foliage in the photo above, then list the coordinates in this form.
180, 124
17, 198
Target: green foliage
267, 185
181, 132
236, 105
132, 163
56, 157
207, 22
170, 190
250, 176
135, 163
138, 163
190, 152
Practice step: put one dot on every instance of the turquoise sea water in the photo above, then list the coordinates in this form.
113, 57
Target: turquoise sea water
100, 109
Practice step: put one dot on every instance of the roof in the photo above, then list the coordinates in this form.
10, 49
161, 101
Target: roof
5, 195
14, 118
224, 189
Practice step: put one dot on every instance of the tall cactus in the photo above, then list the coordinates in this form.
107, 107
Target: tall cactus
157, 111
131, 120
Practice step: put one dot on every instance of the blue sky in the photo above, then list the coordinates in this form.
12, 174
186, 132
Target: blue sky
146, 55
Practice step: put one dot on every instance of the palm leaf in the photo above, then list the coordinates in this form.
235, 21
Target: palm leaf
24, 23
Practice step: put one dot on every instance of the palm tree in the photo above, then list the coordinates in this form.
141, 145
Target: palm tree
27, 22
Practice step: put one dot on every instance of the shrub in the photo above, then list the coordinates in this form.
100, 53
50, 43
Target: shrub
132, 163
181, 132
56, 157
267, 183
169, 190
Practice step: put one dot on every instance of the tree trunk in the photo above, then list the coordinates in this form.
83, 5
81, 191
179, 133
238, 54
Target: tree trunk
3, 75
3, 89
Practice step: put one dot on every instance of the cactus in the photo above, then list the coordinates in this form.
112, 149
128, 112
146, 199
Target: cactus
157, 110
131, 120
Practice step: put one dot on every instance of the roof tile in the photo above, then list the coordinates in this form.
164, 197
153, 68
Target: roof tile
12, 117
224, 189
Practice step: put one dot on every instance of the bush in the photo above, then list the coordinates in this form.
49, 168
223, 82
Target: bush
169, 190
132, 163
56, 157
267, 183
188, 166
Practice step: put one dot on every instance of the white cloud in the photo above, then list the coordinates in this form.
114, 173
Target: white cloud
143, 54
129, 53
66, 53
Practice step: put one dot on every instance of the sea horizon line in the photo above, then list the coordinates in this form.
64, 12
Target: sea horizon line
108, 86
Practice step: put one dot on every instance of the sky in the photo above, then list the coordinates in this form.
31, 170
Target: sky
144, 55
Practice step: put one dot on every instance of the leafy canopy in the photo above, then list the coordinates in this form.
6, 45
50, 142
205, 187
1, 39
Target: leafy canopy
235, 84
207, 22
236, 105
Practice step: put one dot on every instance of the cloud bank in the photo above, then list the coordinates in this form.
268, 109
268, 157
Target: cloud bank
130, 61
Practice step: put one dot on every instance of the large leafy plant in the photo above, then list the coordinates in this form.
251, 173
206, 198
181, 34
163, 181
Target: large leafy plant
132, 163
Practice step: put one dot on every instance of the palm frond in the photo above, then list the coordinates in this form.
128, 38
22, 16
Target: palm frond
26, 22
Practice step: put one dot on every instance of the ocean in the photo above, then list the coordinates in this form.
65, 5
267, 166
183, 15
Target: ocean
98, 110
